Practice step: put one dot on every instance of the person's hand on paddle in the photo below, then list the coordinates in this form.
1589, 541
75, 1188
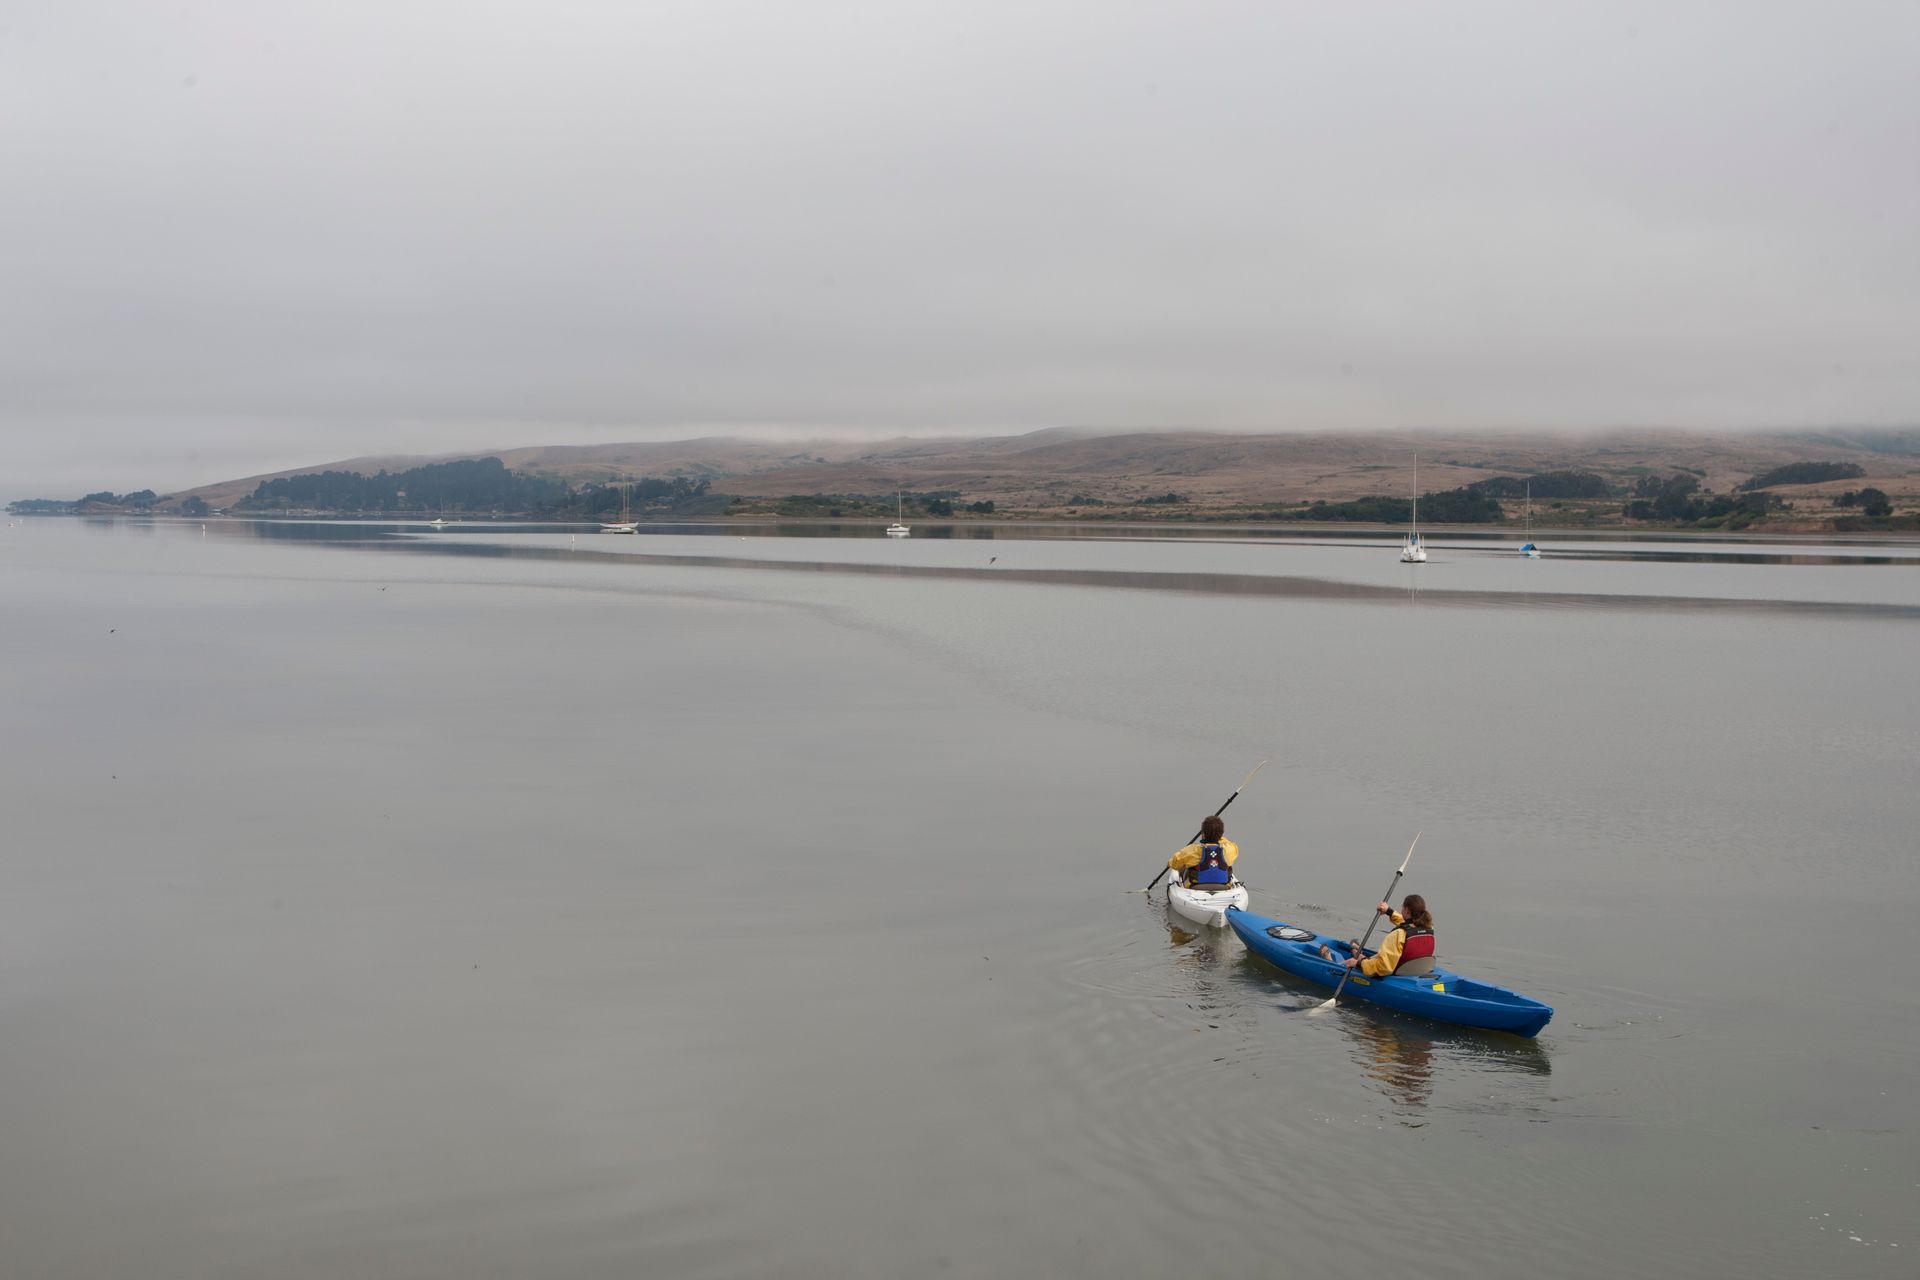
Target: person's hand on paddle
1383, 910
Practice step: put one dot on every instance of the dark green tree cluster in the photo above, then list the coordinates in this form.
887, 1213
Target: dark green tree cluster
933, 502
1805, 473
480, 484
1466, 505
1678, 500
477, 485
638, 496
1167, 499
821, 504
1871, 501
1663, 498
1547, 484
138, 500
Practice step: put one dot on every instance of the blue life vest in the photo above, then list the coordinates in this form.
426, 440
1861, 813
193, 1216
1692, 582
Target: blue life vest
1213, 867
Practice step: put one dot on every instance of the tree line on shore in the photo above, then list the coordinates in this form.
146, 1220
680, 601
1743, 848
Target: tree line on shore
481, 486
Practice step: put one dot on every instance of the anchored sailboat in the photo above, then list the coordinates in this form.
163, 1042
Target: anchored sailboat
623, 525
1412, 552
898, 529
1527, 548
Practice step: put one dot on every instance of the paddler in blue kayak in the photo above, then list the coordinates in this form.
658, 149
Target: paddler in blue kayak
1210, 860
1407, 950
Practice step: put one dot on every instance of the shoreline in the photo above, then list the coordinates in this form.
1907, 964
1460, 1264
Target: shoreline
1082, 526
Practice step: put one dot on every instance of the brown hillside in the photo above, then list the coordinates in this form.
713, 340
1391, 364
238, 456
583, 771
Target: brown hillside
1047, 468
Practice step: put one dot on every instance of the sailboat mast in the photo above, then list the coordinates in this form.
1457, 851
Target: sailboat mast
1416, 495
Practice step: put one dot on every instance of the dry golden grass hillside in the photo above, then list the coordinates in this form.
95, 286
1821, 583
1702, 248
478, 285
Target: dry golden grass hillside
1047, 469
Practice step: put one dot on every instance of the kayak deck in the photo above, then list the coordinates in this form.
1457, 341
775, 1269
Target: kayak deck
1442, 995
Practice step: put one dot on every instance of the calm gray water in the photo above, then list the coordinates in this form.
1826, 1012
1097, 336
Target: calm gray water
495, 903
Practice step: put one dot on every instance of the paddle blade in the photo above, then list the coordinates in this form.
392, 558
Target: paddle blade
1323, 1006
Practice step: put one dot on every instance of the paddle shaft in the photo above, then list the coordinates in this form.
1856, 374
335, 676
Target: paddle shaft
1368, 935
1216, 813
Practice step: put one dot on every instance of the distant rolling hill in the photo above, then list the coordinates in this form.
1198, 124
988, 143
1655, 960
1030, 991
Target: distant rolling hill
1046, 469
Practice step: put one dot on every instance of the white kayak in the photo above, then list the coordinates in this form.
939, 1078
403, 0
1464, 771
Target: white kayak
1206, 904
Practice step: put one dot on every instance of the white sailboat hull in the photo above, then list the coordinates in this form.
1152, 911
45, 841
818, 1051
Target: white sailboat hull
1412, 552
623, 524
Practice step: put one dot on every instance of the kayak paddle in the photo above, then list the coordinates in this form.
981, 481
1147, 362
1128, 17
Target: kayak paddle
1385, 897
1216, 813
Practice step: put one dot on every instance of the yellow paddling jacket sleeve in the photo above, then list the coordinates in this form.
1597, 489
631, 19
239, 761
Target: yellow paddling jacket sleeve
1387, 959
1190, 856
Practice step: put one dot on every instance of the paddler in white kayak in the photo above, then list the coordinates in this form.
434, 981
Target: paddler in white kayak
1210, 860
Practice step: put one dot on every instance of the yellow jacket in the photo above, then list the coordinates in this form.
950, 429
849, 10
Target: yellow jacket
1190, 856
1387, 959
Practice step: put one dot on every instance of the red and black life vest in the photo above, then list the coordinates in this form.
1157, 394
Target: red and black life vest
1418, 944
1213, 867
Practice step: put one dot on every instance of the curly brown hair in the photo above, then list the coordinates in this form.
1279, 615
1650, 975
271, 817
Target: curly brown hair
1212, 829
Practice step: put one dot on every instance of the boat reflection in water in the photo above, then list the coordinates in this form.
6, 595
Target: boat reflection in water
1202, 971
1398, 1061
1404, 1058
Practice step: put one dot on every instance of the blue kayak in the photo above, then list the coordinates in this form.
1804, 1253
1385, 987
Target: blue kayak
1441, 995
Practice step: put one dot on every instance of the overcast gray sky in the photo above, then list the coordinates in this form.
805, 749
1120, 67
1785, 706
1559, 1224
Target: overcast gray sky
239, 236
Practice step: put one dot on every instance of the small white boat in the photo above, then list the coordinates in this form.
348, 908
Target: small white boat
898, 529
622, 525
1527, 548
1412, 551
1204, 904
436, 523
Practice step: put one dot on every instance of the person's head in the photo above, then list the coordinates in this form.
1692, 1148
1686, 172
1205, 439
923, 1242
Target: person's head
1212, 829
1415, 911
